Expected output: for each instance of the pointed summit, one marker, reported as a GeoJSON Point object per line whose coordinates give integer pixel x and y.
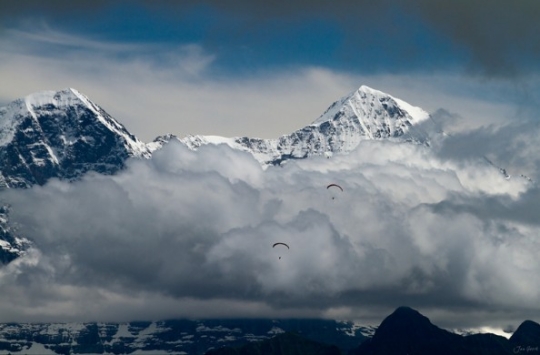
{"type": "Point", "coordinates": [408, 322]}
{"type": "Point", "coordinates": [375, 115]}
{"type": "Point", "coordinates": [63, 98]}
{"type": "Point", "coordinates": [60, 134]}
{"type": "Point", "coordinates": [527, 335]}
{"type": "Point", "coordinates": [364, 114]}
{"type": "Point", "coordinates": [406, 331]}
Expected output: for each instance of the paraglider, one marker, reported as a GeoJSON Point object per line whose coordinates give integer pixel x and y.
{"type": "Point", "coordinates": [279, 243]}
{"type": "Point", "coordinates": [333, 187]}
{"type": "Point", "coordinates": [273, 246]}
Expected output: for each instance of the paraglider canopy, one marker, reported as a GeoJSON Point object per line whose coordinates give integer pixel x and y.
{"type": "Point", "coordinates": [334, 185]}
{"type": "Point", "coordinates": [333, 188]}
{"type": "Point", "coordinates": [279, 243]}
{"type": "Point", "coordinates": [273, 246]}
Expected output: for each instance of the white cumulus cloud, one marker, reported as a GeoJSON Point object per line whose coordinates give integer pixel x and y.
{"type": "Point", "coordinates": [197, 227]}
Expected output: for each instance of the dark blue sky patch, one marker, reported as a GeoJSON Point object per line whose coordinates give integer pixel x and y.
{"type": "Point", "coordinates": [363, 39]}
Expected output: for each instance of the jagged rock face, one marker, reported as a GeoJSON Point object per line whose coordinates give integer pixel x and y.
{"type": "Point", "coordinates": [56, 135]}
{"type": "Point", "coordinates": [370, 114]}
{"type": "Point", "coordinates": [63, 135]}
{"type": "Point", "coordinates": [11, 245]}
{"type": "Point", "coordinates": [362, 115]}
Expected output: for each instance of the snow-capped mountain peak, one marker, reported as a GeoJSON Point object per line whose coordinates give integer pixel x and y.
{"type": "Point", "coordinates": [374, 110]}
{"type": "Point", "coordinates": [364, 114]}
{"type": "Point", "coordinates": [71, 97]}
{"type": "Point", "coordinates": [63, 134]}
{"type": "Point", "coordinates": [60, 134]}
{"type": "Point", "coordinates": [56, 134]}
{"type": "Point", "coordinates": [63, 98]}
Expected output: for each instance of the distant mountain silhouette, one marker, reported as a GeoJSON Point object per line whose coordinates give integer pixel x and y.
{"type": "Point", "coordinates": [487, 344]}
{"type": "Point", "coordinates": [406, 331]}
{"type": "Point", "coordinates": [283, 344]}
{"type": "Point", "coordinates": [526, 339]}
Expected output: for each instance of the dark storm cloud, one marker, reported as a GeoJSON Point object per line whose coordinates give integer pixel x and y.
{"type": "Point", "coordinates": [501, 35]}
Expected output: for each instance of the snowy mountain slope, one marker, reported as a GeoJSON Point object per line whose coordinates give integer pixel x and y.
{"type": "Point", "coordinates": [363, 114]}
{"type": "Point", "coordinates": [11, 245]}
{"type": "Point", "coordinates": [56, 135]}
{"type": "Point", "coordinates": [64, 135]}
{"type": "Point", "coordinates": [170, 336]}
{"type": "Point", "coordinates": [60, 134]}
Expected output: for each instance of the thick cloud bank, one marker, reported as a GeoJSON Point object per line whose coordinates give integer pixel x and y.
{"type": "Point", "coordinates": [190, 234]}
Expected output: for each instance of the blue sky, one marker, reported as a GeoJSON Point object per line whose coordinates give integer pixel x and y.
{"type": "Point", "coordinates": [264, 69]}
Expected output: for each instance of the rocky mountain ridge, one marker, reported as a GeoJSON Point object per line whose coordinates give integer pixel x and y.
{"type": "Point", "coordinates": [61, 134]}
{"type": "Point", "coordinates": [406, 331]}
{"type": "Point", "coordinates": [364, 114]}
{"type": "Point", "coordinates": [64, 135]}
{"type": "Point", "coordinates": [170, 336]}
{"type": "Point", "coordinates": [56, 135]}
